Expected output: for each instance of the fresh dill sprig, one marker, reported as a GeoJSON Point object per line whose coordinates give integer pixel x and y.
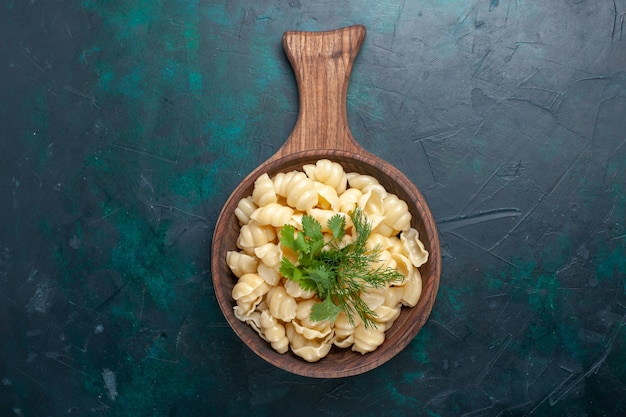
{"type": "Point", "coordinates": [338, 274]}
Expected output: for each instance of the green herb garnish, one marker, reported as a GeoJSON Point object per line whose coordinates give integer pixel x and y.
{"type": "Point", "coordinates": [339, 274]}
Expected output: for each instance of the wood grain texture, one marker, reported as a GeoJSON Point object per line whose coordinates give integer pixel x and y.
{"type": "Point", "coordinates": [322, 63]}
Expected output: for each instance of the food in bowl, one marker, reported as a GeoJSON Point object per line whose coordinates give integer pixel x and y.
{"type": "Point", "coordinates": [325, 258]}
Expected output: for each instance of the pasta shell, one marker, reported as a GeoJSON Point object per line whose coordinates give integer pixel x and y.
{"type": "Point", "coordinates": [414, 247]}
{"type": "Point", "coordinates": [307, 349]}
{"type": "Point", "coordinates": [272, 214]}
{"type": "Point", "coordinates": [327, 196]}
{"type": "Point", "coordinates": [281, 305]}
{"type": "Point", "coordinates": [296, 291]}
{"type": "Point", "coordinates": [263, 192]}
{"type": "Point", "coordinates": [368, 339]}
{"type": "Point", "coordinates": [240, 263]}
{"type": "Point", "coordinates": [397, 213]}
{"type": "Point", "coordinates": [270, 254]}
{"type": "Point", "coordinates": [412, 290]}
{"type": "Point", "coordinates": [244, 209]}
{"type": "Point", "coordinates": [249, 287]}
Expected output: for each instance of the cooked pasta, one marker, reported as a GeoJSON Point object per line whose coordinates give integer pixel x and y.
{"type": "Point", "coordinates": [328, 198]}
{"type": "Point", "coordinates": [278, 308]}
{"type": "Point", "coordinates": [281, 305]}
{"type": "Point", "coordinates": [270, 275]}
{"type": "Point", "coordinates": [328, 172]}
{"type": "Point", "coordinates": [349, 199]}
{"type": "Point", "coordinates": [368, 339]}
{"type": "Point", "coordinates": [263, 193]}
{"type": "Point", "coordinates": [296, 291]}
{"type": "Point", "coordinates": [240, 263]}
{"type": "Point", "coordinates": [396, 213]}
{"type": "Point", "coordinates": [272, 214]}
{"type": "Point", "coordinates": [344, 331]}
{"type": "Point", "coordinates": [274, 332]}
{"type": "Point", "coordinates": [414, 247]}
{"type": "Point", "coordinates": [253, 235]}
{"type": "Point", "coordinates": [249, 287]}
{"type": "Point", "coordinates": [244, 210]}
{"type": "Point", "coordinates": [269, 254]}
{"type": "Point", "coordinates": [301, 192]}
{"type": "Point", "coordinates": [311, 350]}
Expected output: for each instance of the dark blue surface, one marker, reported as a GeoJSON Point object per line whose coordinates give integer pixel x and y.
{"type": "Point", "coordinates": [126, 125]}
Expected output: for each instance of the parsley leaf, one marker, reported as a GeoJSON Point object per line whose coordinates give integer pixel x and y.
{"type": "Point", "coordinates": [322, 278]}
{"type": "Point", "coordinates": [287, 236]}
{"type": "Point", "coordinates": [326, 310]}
{"type": "Point", "coordinates": [337, 226]}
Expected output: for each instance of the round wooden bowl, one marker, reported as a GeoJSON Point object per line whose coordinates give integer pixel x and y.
{"type": "Point", "coordinates": [322, 62]}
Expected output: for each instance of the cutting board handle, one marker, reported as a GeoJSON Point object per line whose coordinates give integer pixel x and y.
{"type": "Point", "coordinates": [322, 63]}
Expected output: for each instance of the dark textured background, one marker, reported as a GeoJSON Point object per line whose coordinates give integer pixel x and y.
{"type": "Point", "coordinates": [126, 124]}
